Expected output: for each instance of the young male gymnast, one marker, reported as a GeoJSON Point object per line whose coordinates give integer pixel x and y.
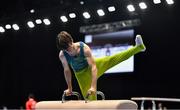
{"type": "Point", "coordinates": [88, 69]}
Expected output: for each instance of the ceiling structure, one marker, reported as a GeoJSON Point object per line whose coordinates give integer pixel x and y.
{"type": "Point", "coordinates": [13, 8]}
{"type": "Point", "coordinates": [19, 10]}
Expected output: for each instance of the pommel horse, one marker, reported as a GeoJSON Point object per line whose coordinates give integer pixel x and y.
{"type": "Point", "coordinates": [86, 104]}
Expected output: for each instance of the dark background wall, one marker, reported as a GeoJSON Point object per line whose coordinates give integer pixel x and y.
{"type": "Point", "coordinates": [29, 60]}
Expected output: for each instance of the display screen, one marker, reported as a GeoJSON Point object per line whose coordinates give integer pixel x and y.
{"type": "Point", "coordinates": [106, 44]}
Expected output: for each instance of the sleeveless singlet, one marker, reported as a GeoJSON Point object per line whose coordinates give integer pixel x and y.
{"type": "Point", "coordinates": [78, 62]}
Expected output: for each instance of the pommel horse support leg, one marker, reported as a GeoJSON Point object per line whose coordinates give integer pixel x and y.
{"type": "Point", "coordinates": [84, 104]}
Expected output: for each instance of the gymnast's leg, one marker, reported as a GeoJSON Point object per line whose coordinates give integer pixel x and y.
{"type": "Point", "coordinates": [84, 79]}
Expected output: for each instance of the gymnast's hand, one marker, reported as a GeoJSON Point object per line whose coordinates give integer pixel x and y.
{"type": "Point", "coordinates": [92, 91]}
{"type": "Point", "coordinates": [68, 92]}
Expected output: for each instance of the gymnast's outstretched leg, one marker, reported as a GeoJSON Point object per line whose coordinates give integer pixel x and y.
{"type": "Point", "coordinates": [105, 63]}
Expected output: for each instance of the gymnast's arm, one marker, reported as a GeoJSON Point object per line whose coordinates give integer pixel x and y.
{"type": "Point", "coordinates": [67, 73]}
{"type": "Point", "coordinates": [92, 64]}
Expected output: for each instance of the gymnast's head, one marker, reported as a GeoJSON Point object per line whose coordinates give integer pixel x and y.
{"type": "Point", "coordinates": [64, 40]}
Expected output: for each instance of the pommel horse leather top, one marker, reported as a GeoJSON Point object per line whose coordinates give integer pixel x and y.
{"type": "Point", "coordinates": [86, 104]}
{"type": "Point", "coordinates": [80, 104]}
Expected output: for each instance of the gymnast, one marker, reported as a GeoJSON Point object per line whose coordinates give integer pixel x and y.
{"type": "Point", "coordinates": [88, 69]}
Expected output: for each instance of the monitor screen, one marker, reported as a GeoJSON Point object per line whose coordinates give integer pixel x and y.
{"type": "Point", "coordinates": [106, 44]}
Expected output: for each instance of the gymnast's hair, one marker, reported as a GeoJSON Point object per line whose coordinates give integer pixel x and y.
{"type": "Point", "coordinates": [63, 40]}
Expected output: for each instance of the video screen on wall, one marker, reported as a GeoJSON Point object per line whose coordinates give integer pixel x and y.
{"type": "Point", "coordinates": [106, 44]}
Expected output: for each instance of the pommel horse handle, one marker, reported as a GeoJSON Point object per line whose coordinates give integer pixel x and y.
{"type": "Point", "coordinates": [98, 93]}
{"type": "Point", "coordinates": [73, 93]}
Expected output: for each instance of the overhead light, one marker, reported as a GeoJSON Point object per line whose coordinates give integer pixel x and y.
{"type": "Point", "coordinates": [86, 15]}
{"type": "Point", "coordinates": [131, 8]}
{"type": "Point", "coordinates": [15, 27]}
{"type": "Point", "coordinates": [156, 1]}
{"type": "Point", "coordinates": [82, 2]}
{"type": "Point", "coordinates": [8, 26]}
{"type": "Point", "coordinates": [100, 12]}
{"type": "Point", "coordinates": [30, 24]}
{"type": "Point", "coordinates": [2, 30]}
{"type": "Point", "coordinates": [64, 18]}
{"type": "Point", "coordinates": [142, 5]}
{"type": "Point", "coordinates": [111, 9]}
{"type": "Point", "coordinates": [72, 15]}
{"type": "Point", "coordinates": [170, 2]}
{"type": "Point", "coordinates": [38, 21]}
{"type": "Point", "coordinates": [46, 21]}
{"type": "Point", "coordinates": [32, 11]}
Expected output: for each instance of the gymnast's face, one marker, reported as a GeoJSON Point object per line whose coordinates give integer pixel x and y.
{"type": "Point", "coordinates": [70, 50]}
